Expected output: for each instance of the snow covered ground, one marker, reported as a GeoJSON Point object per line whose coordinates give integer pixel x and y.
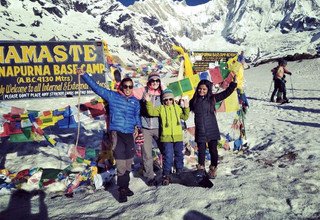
{"type": "Point", "coordinates": [277, 178]}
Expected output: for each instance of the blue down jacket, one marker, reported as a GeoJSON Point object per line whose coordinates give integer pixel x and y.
{"type": "Point", "coordinates": [124, 111]}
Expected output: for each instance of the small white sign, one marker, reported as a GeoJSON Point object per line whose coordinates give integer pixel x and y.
{"type": "Point", "coordinates": [212, 65]}
{"type": "Point", "coordinates": [198, 58]}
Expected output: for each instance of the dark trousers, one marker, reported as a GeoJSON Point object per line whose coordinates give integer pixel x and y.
{"type": "Point", "coordinates": [212, 145]}
{"type": "Point", "coordinates": [284, 89]}
{"type": "Point", "coordinates": [123, 181]}
{"type": "Point", "coordinates": [277, 87]}
{"type": "Point", "coordinates": [123, 153]}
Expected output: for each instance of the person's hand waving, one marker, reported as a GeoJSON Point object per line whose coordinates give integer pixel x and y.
{"type": "Point", "coordinates": [147, 97]}
{"type": "Point", "coordinates": [186, 103]}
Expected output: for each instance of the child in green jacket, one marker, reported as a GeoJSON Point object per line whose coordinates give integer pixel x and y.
{"type": "Point", "coordinates": [171, 131]}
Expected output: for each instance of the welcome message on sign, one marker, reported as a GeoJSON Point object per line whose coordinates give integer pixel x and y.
{"type": "Point", "coordinates": [203, 59]}
{"type": "Point", "coordinates": [48, 69]}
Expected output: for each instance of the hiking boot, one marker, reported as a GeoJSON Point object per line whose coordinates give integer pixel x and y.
{"type": "Point", "coordinates": [178, 171]}
{"type": "Point", "coordinates": [152, 182]}
{"type": "Point", "coordinates": [279, 97]}
{"type": "Point", "coordinates": [200, 167]}
{"type": "Point", "coordinates": [280, 100]}
{"type": "Point", "coordinates": [165, 180]}
{"type": "Point", "coordinates": [122, 195]}
{"type": "Point", "coordinates": [285, 100]}
{"type": "Point", "coordinates": [129, 192]}
{"type": "Point", "coordinates": [212, 173]}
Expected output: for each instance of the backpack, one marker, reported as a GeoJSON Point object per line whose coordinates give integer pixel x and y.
{"type": "Point", "coordinates": [274, 72]}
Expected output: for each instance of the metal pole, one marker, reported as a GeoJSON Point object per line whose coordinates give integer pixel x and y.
{"type": "Point", "coordinates": [270, 87]}
{"type": "Point", "coordinates": [291, 86]}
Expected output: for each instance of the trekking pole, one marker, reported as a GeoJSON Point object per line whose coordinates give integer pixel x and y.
{"type": "Point", "coordinates": [291, 86]}
{"type": "Point", "coordinates": [270, 87]}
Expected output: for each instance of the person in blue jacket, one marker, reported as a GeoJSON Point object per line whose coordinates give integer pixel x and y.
{"type": "Point", "coordinates": [124, 121]}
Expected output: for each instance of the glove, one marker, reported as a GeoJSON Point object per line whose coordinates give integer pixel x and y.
{"type": "Point", "coordinates": [139, 140]}
{"type": "Point", "coordinates": [290, 73]}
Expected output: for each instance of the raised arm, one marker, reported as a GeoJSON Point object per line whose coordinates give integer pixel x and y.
{"type": "Point", "coordinates": [152, 111]}
{"type": "Point", "coordinates": [185, 113]}
{"type": "Point", "coordinates": [223, 95]}
{"type": "Point", "coordinates": [185, 110]}
{"type": "Point", "coordinates": [99, 90]}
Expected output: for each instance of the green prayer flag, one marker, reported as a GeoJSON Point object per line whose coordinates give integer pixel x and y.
{"type": "Point", "coordinates": [176, 89]}
{"type": "Point", "coordinates": [185, 85]}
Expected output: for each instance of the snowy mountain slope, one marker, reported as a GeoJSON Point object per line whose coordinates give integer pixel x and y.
{"type": "Point", "coordinates": [276, 178]}
{"type": "Point", "coordinates": [129, 35]}
{"type": "Point", "coordinates": [147, 29]}
{"type": "Point", "coordinates": [291, 26]}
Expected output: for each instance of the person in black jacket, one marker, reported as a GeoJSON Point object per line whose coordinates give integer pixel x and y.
{"type": "Point", "coordinates": [206, 126]}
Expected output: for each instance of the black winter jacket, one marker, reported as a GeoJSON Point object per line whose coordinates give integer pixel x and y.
{"type": "Point", "coordinates": [206, 126]}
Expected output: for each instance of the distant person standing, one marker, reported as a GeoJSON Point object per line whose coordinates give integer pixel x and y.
{"type": "Point", "coordinates": [124, 118]}
{"type": "Point", "coordinates": [280, 82]}
{"type": "Point", "coordinates": [241, 58]}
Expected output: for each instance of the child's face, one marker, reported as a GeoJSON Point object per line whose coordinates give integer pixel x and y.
{"type": "Point", "coordinates": [202, 90]}
{"type": "Point", "coordinates": [168, 101]}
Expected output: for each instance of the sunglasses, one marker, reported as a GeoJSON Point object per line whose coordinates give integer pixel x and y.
{"type": "Point", "coordinates": [153, 81]}
{"type": "Point", "coordinates": [165, 100]}
{"type": "Point", "coordinates": [127, 86]}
